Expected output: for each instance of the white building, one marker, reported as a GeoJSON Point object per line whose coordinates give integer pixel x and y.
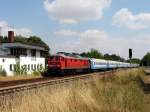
{"type": "Point", "coordinates": [28, 57]}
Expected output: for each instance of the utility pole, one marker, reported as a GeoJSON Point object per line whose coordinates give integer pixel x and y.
{"type": "Point", "coordinates": [1, 37]}
{"type": "Point", "coordinates": [130, 55]}
{"type": "Point", "coordinates": [0, 31]}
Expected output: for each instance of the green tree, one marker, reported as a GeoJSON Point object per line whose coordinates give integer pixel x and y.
{"type": "Point", "coordinates": [92, 54]}
{"type": "Point", "coordinates": [19, 38]}
{"type": "Point", "coordinates": [134, 60]}
{"type": "Point", "coordinates": [37, 41]}
{"type": "Point", "coordinates": [146, 60]}
{"type": "Point", "coordinates": [4, 39]}
{"type": "Point", "coordinates": [113, 57]}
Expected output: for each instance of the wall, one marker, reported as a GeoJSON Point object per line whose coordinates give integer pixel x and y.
{"type": "Point", "coordinates": [5, 64]}
{"type": "Point", "coordinates": [32, 63]}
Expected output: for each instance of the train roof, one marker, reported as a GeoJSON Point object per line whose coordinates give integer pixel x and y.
{"type": "Point", "coordinates": [94, 59]}
{"type": "Point", "coordinates": [68, 55]}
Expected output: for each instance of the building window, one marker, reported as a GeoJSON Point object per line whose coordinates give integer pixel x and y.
{"type": "Point", "coordinates": [15, 68]}
{"type": "Point", "coordinates": [3, 60]}
{"type": "Point", "coordinates": [42, 53]}
{"type": "Point", "coordinates": [33, 52]}
{"type": "Point", "coordinates": [11, 67]}
{"type": "Point", "coordinates": [32, 67]}
{"type": "Point", "coordinates": [18, 51]}
{"type": "Point", "coordinates": [25, 67]}
{"type": "Point", "coordinates": [23, 51]}
{"type": "Point", "coordinates": [38, 67]}
{"type": "Point", "coordinates": [41, 66]}
{"type": "Point", "coordinates": [28, 67]}
{"type": "Point", "coordinates": [35, 67]}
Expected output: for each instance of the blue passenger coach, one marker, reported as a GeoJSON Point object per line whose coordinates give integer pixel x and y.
{"type": "Point", "coordinates": [98, 64]}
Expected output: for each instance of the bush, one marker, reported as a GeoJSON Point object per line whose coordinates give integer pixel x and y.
{"type": "Point", "coordinates": [36, 73]}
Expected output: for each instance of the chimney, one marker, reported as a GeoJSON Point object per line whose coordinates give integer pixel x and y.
{"type": "Point", "coordinates": [10, 36]}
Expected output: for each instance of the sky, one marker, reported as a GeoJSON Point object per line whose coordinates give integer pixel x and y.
{"type": "Point", "coordinates": [110, 26]}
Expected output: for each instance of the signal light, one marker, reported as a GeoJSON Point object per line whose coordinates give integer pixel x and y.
{"type": "Point", "coordinates": [130, 53]}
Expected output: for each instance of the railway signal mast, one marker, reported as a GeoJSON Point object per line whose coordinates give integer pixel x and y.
{"type": "Point", "coordinates": [0, 31]}
{"type": "Point", "coordinates": [130, 54]}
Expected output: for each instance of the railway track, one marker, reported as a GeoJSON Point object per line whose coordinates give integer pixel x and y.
{"type": "Point", "coordinates": [21, 85]}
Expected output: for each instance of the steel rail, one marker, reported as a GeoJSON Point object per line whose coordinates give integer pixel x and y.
{"type": "Point", "coordinates": [44, 83]}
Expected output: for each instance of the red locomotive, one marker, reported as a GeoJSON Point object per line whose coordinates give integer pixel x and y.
{"type": "Point", "coordinates": [63, 63]}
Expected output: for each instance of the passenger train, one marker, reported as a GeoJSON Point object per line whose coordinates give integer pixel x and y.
{"type": "Point", "coordinates": [67, 63]}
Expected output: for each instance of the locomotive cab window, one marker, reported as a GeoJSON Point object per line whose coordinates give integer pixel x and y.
{"type": "Point", "coordinates": [62, 59]}
{"type": "Point", "coordinates": [54, 58]}
{"type": "Point", "coordinates": [57, 58]}
{"type": "Point", "coordinates": [51, 57]}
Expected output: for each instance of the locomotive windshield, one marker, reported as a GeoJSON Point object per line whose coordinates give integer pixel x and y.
{"type": "Point", "coordinates": [56, 58]}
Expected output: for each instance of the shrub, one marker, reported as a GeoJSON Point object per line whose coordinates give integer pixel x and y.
{"type": "Point", "coordinates": [36, 73]}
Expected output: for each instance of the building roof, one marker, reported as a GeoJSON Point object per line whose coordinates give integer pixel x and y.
{"type": "Point", "coordinates": [6, 56]}
{"type": "Point", "coordinates": [21, 45]}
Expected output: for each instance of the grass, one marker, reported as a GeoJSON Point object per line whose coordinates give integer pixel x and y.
{"type": "Point", "coordinates": [121, 93]}
{"type": "Point", "coordinates": [35, 74]}
{"type": "Point", "coordinates": [17, 77]}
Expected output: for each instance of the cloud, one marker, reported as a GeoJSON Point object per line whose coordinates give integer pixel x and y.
{"type": "Point", "coordinates": [18, 31]}
{"type": "Point", "coordinates": [104, 42]}
{"type": "Point", "coordinates": [65, 33]}
{"type": "Point", "coordinates": [125, 18]}
{"type": "Point", "coordinates": [74, 11]}
{"type": "Point", "coordinates": [23, 31]}
{"type": "Point", "coordinates": [3, 23]}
